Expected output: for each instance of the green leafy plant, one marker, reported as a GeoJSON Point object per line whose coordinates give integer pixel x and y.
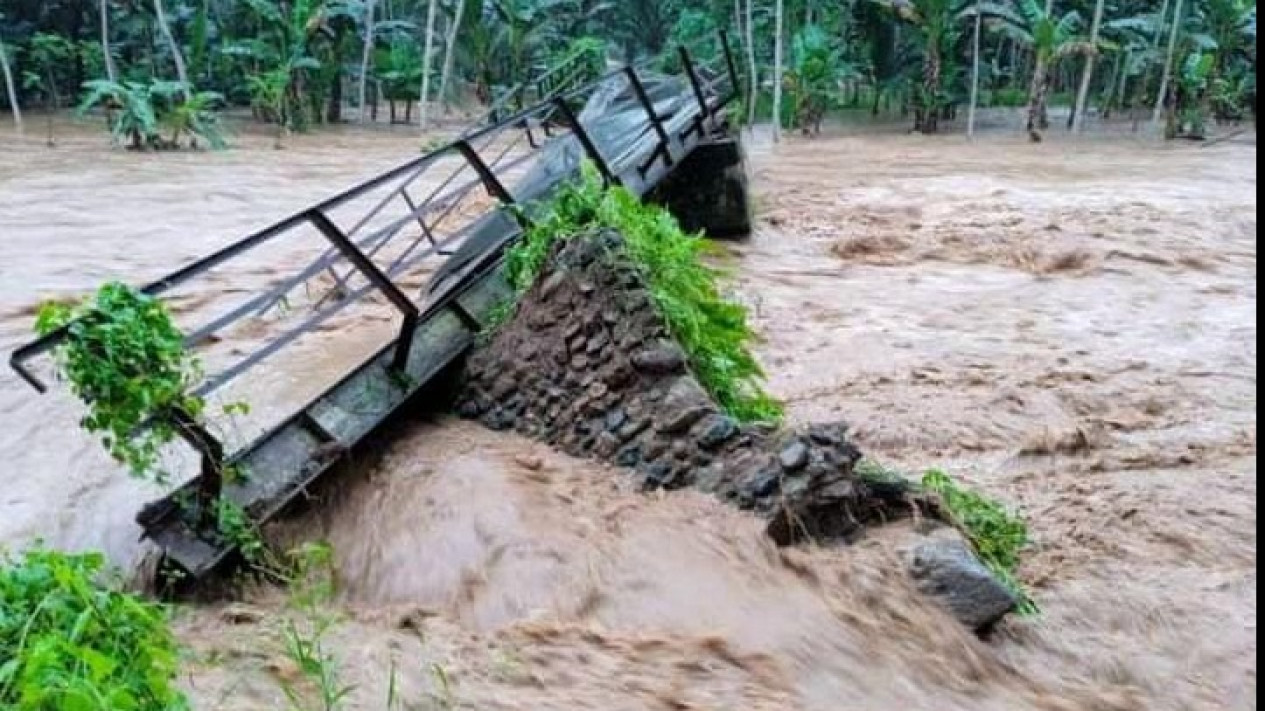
{"type": "Point", "coordinates": [310, 575]}
{"type": "Point", "coordinates": [196, 117]}
{"type": "Point", "coordinates": [998, 535]}
{"type": "Point", "coordinates": [69, 641]}
{"type": "Point", "coordinates": [711, 329]}
{"type": "Point", "coordinates": [126, 360]}
{"type": "Point", "coordinates": [817, 67]}
{"type": "Point", "coordinates": [398, 69]}
{"type": "Point", "coordinates": [138, 111]}
{"type": "Point", "coordinates": [306, 648]}
{"type": "Point", "coordinates": [236, 528]}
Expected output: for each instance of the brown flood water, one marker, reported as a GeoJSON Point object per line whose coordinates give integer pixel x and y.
{"type": "Point", "coordinates": [1070, 327]}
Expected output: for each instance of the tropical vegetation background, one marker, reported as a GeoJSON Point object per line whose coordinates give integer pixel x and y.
{"type": "Point", "coordinates": [164, 68]}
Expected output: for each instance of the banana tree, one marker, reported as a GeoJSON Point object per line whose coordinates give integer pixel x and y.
{"type": "Point", "coordinates": [288, 45]}
{"type": "Point", "coordinates": [817, 68]}
{"type": "Point", "coordinates": [1052, 39]}
{"type": "Point", "coordinates": [139, 111]}
{"type": "Point", "coordinates": [398, 69]}
{"type": "Point", "coordinates": [1227, 29]}
{"type": "Point", "coordinates": [936, 22]}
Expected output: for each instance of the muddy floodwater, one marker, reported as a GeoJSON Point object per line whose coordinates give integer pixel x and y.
{"type": "Point", "coordinates": [1069, 327]}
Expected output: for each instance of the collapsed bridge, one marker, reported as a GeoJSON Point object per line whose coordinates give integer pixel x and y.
{"type": "Point", "coordinates": [417, 250]}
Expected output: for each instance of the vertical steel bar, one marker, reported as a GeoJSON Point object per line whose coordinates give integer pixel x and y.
{"type": "Point", "coordinates": [733, 67]}
{"type": "Point", "coordinates": [665, 141]}
{"type": "Point", "coordinates": [378, 279]}
{"type": "Point", "coordinates": [421, 217]}
{"type": "Point", "coordinates": [698, 89]}
{"type": "Point", "coordinates": [490, 181]}
{"type": "Point", "coordinates": [211, 482]}
{"type": "Point", "coordinates": [585, 140]}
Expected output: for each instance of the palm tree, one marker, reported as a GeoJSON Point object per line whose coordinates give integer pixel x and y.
{"type": "Point", "coordinates": [1165, 79]}
{"type": "Point", "coordinates": [106, 53]}
{"type": "Point", "coordinates": [450, 46]}
{"type": "Point", "coordinates": [777, 73]}
{"type": "Point", "coordinates": [9, 88]}
{"type": "Point", "coordinates": [174, 47]}
{"type": "Point", "coordinates": [753, 78]}
{"type": "Point", "coordinates": [429, 45]}
{"type": "Point", "coordinates": [1082, 94]}
{"type": "Point", "coordinates": [370, 6]}
{"type": "Point", "coordinates": [975, 69]}
{"type": "Point", "coordinates": [1052, 39]}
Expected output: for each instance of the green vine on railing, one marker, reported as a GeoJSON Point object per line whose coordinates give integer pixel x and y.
{"type": "Point", "coordinates": [125, 358]}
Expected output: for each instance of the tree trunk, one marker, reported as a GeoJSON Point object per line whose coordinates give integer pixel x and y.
{"type": "Point", "coordinates": [777, 73]}
{"type": "Point", "coordinates": [1082, 96]}
{"type": "Point", "coordinates": [1037, 97]}
{"type": "Point", "coordinates": [1112, 91]}
{"type": "Point", "coordinates": [181, 73]}
{"type": "Point", "coordinates": [334, 111]}
{"type": "Point", "coordinates": [928, 114]}
{"type": "Point", "coordinates": [1166, 77]}
{"type": "Point", "coordinates": [110, 71]}
{"type": "Point", "coordinates": [753, 80]}
{"type": "Point", "coordinates": [424, 114]}
{"type": "Point", "coordinates": [450, 47]}
{"type": "Point", "coordinates": [975, 59]}
{"type": "Point", "coordinates": [12, 91]}
{"type": "Point", "coordinates": [366, 55]}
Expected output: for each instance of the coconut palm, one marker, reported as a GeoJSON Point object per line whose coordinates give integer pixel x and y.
{"type": "Point", "coordinates": [1052, 38]}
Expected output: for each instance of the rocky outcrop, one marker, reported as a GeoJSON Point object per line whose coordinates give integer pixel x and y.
{"type": "Point", "coordinates": [587, 364]}
{"type": "Point", "coordinates": [947, 570]}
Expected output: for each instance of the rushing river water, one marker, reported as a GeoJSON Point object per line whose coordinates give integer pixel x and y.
{"type": "Point", "coordinates": [1070, 327]}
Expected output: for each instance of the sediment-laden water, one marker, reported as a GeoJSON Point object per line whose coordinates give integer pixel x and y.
{"type": "Point", "coordinates": [1069, 326]}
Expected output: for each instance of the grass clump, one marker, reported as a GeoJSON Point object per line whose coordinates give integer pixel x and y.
{"type": "Point", "coordinates": [712, 330]}
{"type": "Point", "coordinates": [69, 641]}
{"type": "Point", "coordinates": [998, 535]}
{"type": "Point", "coordinates": [125, 358]}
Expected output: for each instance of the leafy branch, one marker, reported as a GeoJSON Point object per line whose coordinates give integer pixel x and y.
{"type": "Point", "coordinates": [127, 361]}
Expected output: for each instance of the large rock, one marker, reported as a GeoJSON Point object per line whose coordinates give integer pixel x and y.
{"type": "Point", "coordinates": [948, 570]}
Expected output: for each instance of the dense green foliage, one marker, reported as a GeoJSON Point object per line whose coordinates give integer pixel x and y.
{"type": "Point", "coordinates": [139, 112]}
{"type": "Point", "coordinates": [126, 360]}
{"type": "Point", "coordinates": [70, 641]}
{"type": "Point", "coordinates": [297, 64]}
{"type": "Point", "coordinates": [998, 535]}
{"type": "Point", "coordinates": [711, 329]}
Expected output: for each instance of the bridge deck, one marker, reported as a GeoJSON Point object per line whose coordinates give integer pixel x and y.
{"type": "Point", "coordinates": [445, 217]}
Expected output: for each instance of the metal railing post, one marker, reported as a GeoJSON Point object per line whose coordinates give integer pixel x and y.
{"type": "Point", "coordinates": [665, 141]}
{"type": "Point", "coordinates": [378, 279]}
{"type": "Point", "coordinates": [704, 112]}
{"type": "Point", "coordinates": [585, 140]}
{"type": "Point", "coordinates": [493, 184]}
{"type": "Point", "coordinates": [211, 482]}
{"type": "Point", "coordinates": [729, 61]}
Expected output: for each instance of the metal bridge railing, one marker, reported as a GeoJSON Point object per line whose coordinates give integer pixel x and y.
{"type": "Point", "coordinates": [412, 217]}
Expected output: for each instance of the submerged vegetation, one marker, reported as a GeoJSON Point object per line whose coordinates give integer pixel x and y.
{"type": "Point", "coordinates": [70, 639]}
{"type": "Point", "coordinates": [711, 329]}
{"type": "Point", "coordinates": [997, 534]}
